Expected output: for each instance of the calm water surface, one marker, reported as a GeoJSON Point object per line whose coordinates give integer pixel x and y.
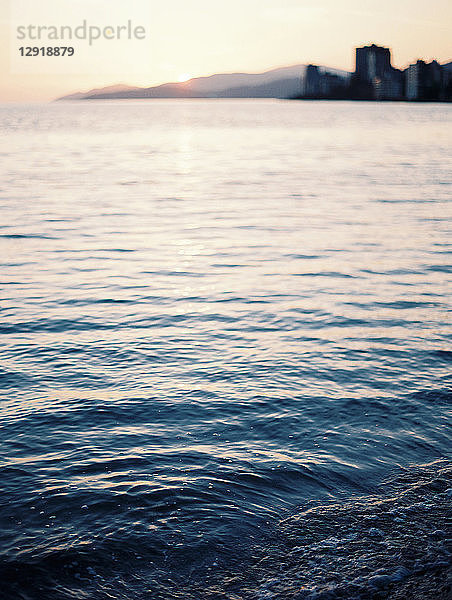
{"type": "Point", "coordinates": [226, 349]}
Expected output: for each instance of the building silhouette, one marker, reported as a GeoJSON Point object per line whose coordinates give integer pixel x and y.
{"type": "Point", "coordinates": [375, 78]}
{"type": "Point", "coordinates": [425, 81]}
{"type": "Point", "coordinates": [322, 84]}
{"type": "Point", "coordinates": [372, 62]}
{"type": "Point", "coordinates": [375, 75]}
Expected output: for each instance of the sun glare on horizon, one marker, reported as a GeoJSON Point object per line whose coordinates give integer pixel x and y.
{"type": "Point", "coordinates": [183, 77]}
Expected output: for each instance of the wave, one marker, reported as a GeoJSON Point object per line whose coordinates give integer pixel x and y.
{"type": "Point", "coordinates": [391, 544]}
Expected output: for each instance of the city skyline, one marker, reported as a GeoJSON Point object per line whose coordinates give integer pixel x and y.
{"type": "Point", "coordinates": [376, 78]}
{"type": "Point", "coordinates": [373, 78]}
{"type": "Point", "coordinates": [252, 37]}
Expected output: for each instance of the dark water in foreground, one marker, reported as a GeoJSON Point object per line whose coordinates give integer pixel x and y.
{"type": "Point", "coordinates": [226, 351]}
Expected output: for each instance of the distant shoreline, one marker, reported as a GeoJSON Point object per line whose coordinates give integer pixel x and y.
{"type": "Point", "coordinates": [384, 100]}
{"type": "Point", "coordinates": [297, 99]}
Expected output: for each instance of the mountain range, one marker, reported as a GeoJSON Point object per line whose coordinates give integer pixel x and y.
{"type": "Point", "coordinates": [284, 82]}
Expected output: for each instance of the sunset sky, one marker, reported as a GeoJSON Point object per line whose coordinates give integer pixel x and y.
{"type": "Point", "coordinates": [190, 38]}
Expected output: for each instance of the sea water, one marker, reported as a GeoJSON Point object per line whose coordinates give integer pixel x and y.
{"type": "Point", "coordinates": [225, 349]}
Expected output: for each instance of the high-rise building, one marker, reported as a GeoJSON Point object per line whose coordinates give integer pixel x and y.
{"type": "Point", "coordinates": [424, 81]}
{"type": "Point", "coordinates": [372, 62]}
{"type": "Point", "coordinates": [317, 83]}
{"type": "Point", "coordinates": [311, 81]}
{"type": "Point", "coordinates": [375, 77]}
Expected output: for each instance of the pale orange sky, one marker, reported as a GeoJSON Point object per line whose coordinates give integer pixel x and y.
{"type": "Point", "coordinates": [201, 37]}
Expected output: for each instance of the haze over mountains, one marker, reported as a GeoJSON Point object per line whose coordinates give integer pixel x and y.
{"type": "Point", "coordinates": [283, 82]}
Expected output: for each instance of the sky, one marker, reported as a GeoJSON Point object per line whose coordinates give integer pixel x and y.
{"type": "Point", "coordinates": [190, 38]}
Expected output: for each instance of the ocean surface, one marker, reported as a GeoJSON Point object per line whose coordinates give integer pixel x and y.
{"type": "Point", "coordinates": [225, 360]}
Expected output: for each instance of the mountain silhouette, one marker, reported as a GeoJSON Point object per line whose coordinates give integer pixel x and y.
{"type": "Point", "coordinates": [282, 82]}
